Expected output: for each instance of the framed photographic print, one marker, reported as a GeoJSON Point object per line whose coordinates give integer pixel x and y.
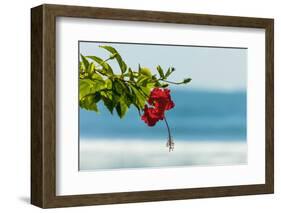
{"type": "Point", "coordinates": [136, 106]}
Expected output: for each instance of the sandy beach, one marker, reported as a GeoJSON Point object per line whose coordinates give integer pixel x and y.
{"type": "Point", "coordinates": [118, 154]}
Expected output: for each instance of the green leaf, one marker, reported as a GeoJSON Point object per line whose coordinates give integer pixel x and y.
{"type": "Point", "coordinates": [169, 72]}
{"type": "Point", "coordinates": [161, 72]}
{"type": "Point", "coordinates": [146, 90]}
{"type": "Point", "coordinates": [101, 62]}
{"type": "Point", "coordinates": [142, 80]}
{"type": "Point", "coordinates": [186, 80]}
{"type": "Point", "coordinates": [108, 84]}
{"type": "Point", "coordinates": [117, 87]}
{"type": "Point", "coordinates": [87, 86]}
{"type": "Point", "coordinates": [164, 85]}
{"type": "Point", "coordinates": [81, 66]}
{"type": "Point", "coordinates": [101, 71]}
{"type": "Point", "coordinates": [96, 76]}
{"type": "Point", "coordinates": [115, 96]}
{"type": "Point", "coordinates": [140, 97]}
{"type": "Point", "coordinates": [119, 59]}
{"type": "Point", "coordinates": [90, 102]}
{"type": "Point", "coordinates": [128, 96]}
{"type": "Point", "coordinates": [112, 56]}
{"type": "Point", "coordinates": [91, 68]}
{"type": "Point", "coordinates": [85, 62]}
{"type": "Point", "coordinates": [121, 108]}
{"type": "Point", "coordinates": [145, 71]}
{"type": "Point", "coordinates": [107, 100]}
{"type": "Point", "coordinates": [131, 74]}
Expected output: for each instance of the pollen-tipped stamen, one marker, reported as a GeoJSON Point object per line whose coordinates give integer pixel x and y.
{"type": "Point", "coordinates": [170, 144]}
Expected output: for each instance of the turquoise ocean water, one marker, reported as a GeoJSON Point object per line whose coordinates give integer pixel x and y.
{"type": "Point", "coordinates": [197, 116]}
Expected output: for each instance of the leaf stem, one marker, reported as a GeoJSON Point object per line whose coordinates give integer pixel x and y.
{"type": "Point", "coordinates": [170, 82]}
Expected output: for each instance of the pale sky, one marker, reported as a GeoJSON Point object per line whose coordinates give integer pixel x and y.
{"type": "Point", "coordinates": [219, 69]}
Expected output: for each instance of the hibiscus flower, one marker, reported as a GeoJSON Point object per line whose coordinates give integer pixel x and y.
{"type": "Point", "coordinates": [160, 100]}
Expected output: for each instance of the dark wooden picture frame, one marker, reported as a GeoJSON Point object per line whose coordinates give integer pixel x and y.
{"type": "Point", "coordinates": [43, 105]}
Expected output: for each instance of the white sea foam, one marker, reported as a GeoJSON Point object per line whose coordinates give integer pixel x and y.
{"type": "Point", "coordinates": [130, 154]}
